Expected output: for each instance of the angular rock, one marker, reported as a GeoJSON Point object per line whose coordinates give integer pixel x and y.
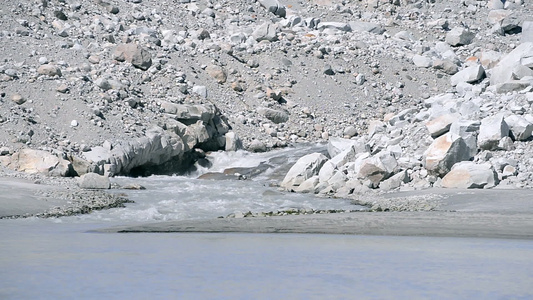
{"type": "Point", "coordinates": [469, 75]}
{"type": "Point", "coordinates": [266, 32]}
{"type": "Point", "coordinates": [444, 152]}
{"type": "Point", "coordinates": [308, 186]}
{"type": "Point", "coordinates": [422, 61]}
{"type": "Point", "coordinates": [446, 66]}
{"type": "Point", "coordinates": [37, 161]}
{"type": "Point", "coordinates": [521, 129]}
{"type": "Point", "coordinates": [134, 54]}
{"type": "Point", "coordinates": [503, 71]}
{"type": "Point", "coordinates": [468, 130]}
{"type": "Point", "coordinates": [527, 32]}
{"type": "Point", "coordinates": [366, 26]}
{"type": "Point", "coordinates": [274, 7]}
{"type": "Point", "coordinates": [469, 175]}
{"type": "Point", "coordinates": [94, 181]}
{"type": "Point", "coordinates": [459, 36]}
{"type": "Point", "coordinates": [491, 131]}
{"type": "Point", "coordinates": [188, 113]}
{"type": "Point", "coordinates": [305, 168]}
{"type": "Point", "coordinates": [441, 124]}
{"type": "Point", "coordinates": [233, 143]}
{"type": "Point", "coordinates": [394, 181]}
{"type": "Point", "coordinates": [377, 168]}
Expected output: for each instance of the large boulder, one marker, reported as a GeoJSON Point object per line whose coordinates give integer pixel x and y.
{"type": "Point", "coordinates": [459, 36]}
{"type": "Point", "coordinates": [491, 131]}
{"type": "Point", "coordinates": [503, 71]}
{"type": "Point", "coordinates": [377, 168]}
{"type": "Point", "coordinates": [94, 181]}
{"type": "Point", "coordinates": [468, 130]}
{"type": "Point", "coordinates": [521, 129]}
{"type": "Point", "coordinates": [305, 168]}
{"type": "Point", "coordinates": [469, 175]}
{"type": "Point", "coordinates": [37, 161]}
{"type": "Point", "coordinates": [468, 75]}
{"type": "Point", "coordinates": [440, 125]}
{"type": "Point", "coordinates": [444, 152]}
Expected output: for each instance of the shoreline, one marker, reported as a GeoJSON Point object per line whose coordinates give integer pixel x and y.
{"type": "Point", "coordinates": [459, 213]}
{"type": "Point", "coordinates": [494, 213]}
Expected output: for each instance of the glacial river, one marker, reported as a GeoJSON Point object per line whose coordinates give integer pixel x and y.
{"type": "Point", "coordinates": [62, 258]}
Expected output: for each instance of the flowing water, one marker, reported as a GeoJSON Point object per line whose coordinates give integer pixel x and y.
{"type": "Point", "coordinates": [62, 258]}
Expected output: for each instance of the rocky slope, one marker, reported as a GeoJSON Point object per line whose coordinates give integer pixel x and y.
{"type": "Point", "coordinates": [121, 87]}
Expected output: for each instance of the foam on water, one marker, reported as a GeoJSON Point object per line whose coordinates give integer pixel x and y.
{"type": "Point", "coordinates": [169, 198]}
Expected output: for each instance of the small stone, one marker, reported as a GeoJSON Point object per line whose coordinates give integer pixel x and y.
{"type": "Point", "coordinates": [49, 70]}
{"type": "Point", "coordinates": [74, 123]}
{"type": "Point", "coordinates": [18, 99]}
{"type": "Point", "coordinates": [63, 88]}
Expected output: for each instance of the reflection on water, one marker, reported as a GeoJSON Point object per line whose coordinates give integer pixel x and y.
{"type": "Point", "coordinates": [46, 260]}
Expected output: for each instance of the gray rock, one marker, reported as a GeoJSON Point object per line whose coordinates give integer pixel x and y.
{"type": "Point", "coordinates": [446, 66]}
{"type": "Point", "coordinates": [233, 143]}
{"type": "Point", "coordinates": [377, 168]}
{"type": "Point", "coordinates": [200, 90]}
{"type": "Point", "coordinates": [18, 99]}
{"type": "Point", "coordinates": [468, 130]}
{"type": "Point", "coordinates": [257, 146]}
{"type": "Point", "coordinates": [94, 181]}
{"type": "Point", "coordinates": [49, 70]}
{"type": "Point", "coordinates": [491, 131]}
{"type": "Point", "coordinates": [495, 4]}
{"type": "Point", "coordinates": [444, 152]}
{"type": "Point", "coordinates": [422, 61]}
{"type": "Point", "coordinates": [190, 113]}
{"type": "Point", "coordinates": [469, 175]}
{"type": "Point", "coordinates": [274, 7]}
{"type": "Point", "coordinates": [134, 54]}
{"type": "Point", "coordinates": [394, 181]}
{"type": "Point", "coordinates": [511, 24]}
{"type": "Point", "coordinates": [366, 26]}
{"type": "Point", "coordinates": [440, 125]}
{"type": "Point", "coordinates": [308, 186]}
{"type": "Point", "coordinates": [469, 75]}
{"type": "Point", "coordinates": [337, 145]}
{"type": "Point", "coordinates": [527, 32]}
{"type": "Point", "coordinates": [274, 115]}
{"type": "Point", "coordinates": [521, 129]}
{"type": "Point", "coordinates": [217, 73]}
{"type": "Point", "coordinates": [305, 168]}
{"type": "Point", "coordinates": [334, 25]}
{"type": "Point", "coordinates": [38, 161]}
{"type": "Point", "coordinates": [459, 36]}
{"type": "Point", "coordinates": [266, 32]}
{"type": "Point", "coordinates": [503, 71]}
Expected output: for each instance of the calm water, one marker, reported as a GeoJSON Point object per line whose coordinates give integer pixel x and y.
{"type": "Point", "coordinates": [61, 259]}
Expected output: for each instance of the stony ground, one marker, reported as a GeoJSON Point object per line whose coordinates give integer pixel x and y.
{"type": "Point", "coordinates": [308, 71]}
